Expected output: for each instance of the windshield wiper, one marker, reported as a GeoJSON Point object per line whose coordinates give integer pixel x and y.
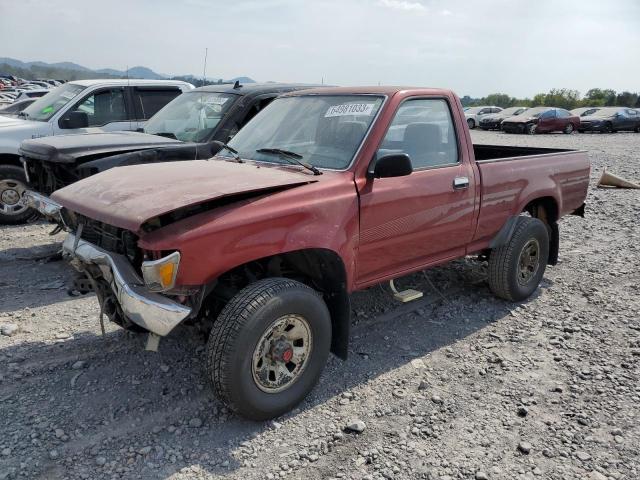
{"type": "Point", "coordinates": [166, 134]}
{"type": "Point", "coordinates": [233, 151]}
{"type": "Point", "coordinates": [292, 156]}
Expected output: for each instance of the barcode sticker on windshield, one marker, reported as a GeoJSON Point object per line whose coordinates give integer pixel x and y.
{"type": "Point", "coordinates": [350, 109]}
{"type": "Point", "coordinates": [215, 100]}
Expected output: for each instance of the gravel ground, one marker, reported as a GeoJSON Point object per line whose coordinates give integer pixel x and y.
{"type": "Point", "coordinates": [457, 385]}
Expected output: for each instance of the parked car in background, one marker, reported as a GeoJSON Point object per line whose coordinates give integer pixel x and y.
{"type": "Point", "coordinates": [475, 114]}
{"type": "Point", "coordinates": [611, 120]}
{"type": "Point", "coordinates": [542, 120]}
{"type": "Point", "coordinates": [494, 121]}
{"type": "Point", "coordinates": [584, 111]}
{"type": "Point", "coordinates": [16, 107]}
{"type": "Point", "coordinates": [82, 106]}
{"type": "Point", "coordinates": [190, 127]}
{"type": "Point", "coordinates": [33, 93]}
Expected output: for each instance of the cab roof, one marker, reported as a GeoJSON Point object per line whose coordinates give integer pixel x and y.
{"type": "Point", "coordinates": [125, 82]}
{"type": "Point", "coordinates": [375, 90]}
{"type": "Point", "coordinates": [254, 88]}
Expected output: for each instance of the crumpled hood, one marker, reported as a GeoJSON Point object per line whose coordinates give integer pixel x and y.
{"type": "Point", "coordinates": [68, 148]}
{"type": "Point", "coordinates": [6, 120]}
{"type": "Point", "coordinates": [519, 119]}
{"type": "Point", "coordinates": [127, 197]}
{"type": "Point", "coordinates": [592, 118]}
{"type": "Point", "coordinates": [18, 123]}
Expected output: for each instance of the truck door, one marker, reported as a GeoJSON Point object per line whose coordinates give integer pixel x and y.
{"type": "Point", "coordinates": [425, 217]}
{"type": "Point", "coordinates": [104, 108]}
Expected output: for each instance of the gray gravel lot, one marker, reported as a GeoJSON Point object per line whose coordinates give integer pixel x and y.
{"type": "Point", "coordinates": [457, 385]}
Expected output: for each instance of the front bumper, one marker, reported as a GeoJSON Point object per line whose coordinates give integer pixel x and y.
{"type": "Point", "coordinates": [490, 125]}
{"type": "Point", "coordinates": [513, 127]}
{"type": "Point", "coordinates": [592, 127]}
{"type": "Point", "coordinates": [150, 310]}
{"type": "Point", "coordinates": [42, 204]}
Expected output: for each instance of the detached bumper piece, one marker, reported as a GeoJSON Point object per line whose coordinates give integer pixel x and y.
{"type": "Point", "coordinates": [42, 204]}
{"type": "Point", "coordinates": [152, 311]}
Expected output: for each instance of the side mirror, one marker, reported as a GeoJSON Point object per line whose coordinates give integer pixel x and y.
{"type": "Point", "coordinates": [390, 165]}
{"type": "Point", "coordinates": [75, 119]}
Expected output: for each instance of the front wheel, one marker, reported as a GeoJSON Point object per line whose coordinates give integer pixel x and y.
{"type": "Point", "coordinates": [268, 347]}
{"type": "Point", "coordinates": [12, 185]}
{"type": "Point", "coordinates": [515, 269]}
{"type": "Point", "coordinates": [471, 123]}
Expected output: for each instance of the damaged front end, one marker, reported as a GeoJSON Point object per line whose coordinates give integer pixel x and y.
{"type": "Point", "coordinates": [123, 295]}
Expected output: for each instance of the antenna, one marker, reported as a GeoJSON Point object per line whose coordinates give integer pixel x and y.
{"type": "Point", "coordinates": [129, 88]}
{"type": "Point", "coordinates": [201, 111]}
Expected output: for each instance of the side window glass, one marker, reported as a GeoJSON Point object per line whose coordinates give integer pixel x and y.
{"type": "Point", "coordinates": [151, 101]}
{"type": "Point", "coordinates": [423, 129]}
{"type": "Point", "coordinates": [255, 108]}
{"type": "Point", "coordinates": [104, 106]}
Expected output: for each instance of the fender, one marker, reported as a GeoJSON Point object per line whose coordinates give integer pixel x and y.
{"type": "Point", "coordinates": [503, 237]}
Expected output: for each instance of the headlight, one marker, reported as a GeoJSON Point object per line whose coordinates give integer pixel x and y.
{"type": "Point", "coordinates": [160, 275]}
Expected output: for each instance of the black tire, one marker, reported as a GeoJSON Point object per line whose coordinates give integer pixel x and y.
{"type": "Point", "coordinates": [471, 123]}
{"type": "Point", "coordinates": [12, 183]}
{"type": "Point", "coordinates": [505, 279]}
{"type": "Point", "coordinates": [568, 129]}
{"type": "Point", "coordinates": [608, 128]}
{"type": "Point", "coordinates": [637, 129]}
{"type": "Point", "coordinates": [240, 328]}
{"type": "Point", "coordinates": [530, 129]}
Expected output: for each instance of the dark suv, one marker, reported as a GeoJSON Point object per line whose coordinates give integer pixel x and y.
{"type": "Point", "coordinates": [185, 129]}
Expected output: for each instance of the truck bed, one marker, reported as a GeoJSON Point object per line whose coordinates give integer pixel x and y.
{"type": "Point", "coordinates": [494, 153]}
{"type": "Point", "coordinates": [511, 177]}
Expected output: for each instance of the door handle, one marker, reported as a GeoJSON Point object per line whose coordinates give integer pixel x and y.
{"type": "Point", "coordinates": [460, 183]}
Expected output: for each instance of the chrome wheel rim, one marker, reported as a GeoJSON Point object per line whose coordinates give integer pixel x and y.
{"type": "Point", "coordinates": [529, 261]}
{"type": "Point", "coordinates": [11, 197]}
{"type": "Point", "coordinates": [282, 353]}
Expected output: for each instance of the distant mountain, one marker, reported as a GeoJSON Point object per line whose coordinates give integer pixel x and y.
{"type": "Point", "coordinates": [73, 71]}
{"type": "Point", "coordinates": [134, 72]}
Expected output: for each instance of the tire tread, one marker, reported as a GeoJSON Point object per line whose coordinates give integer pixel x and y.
{"type": "Point", "coordinates": [228, 326]}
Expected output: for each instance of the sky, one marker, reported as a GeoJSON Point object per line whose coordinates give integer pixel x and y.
{"type": "Point", "coordinates": [475, 47]}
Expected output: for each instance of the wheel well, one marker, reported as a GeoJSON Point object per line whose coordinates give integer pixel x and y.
{"type": "Point", "coordinates": [546, 210]}
{"type": "Point", "coordinates": [321, 269]}
{"type": "Point", "coordinates": [10, 159]}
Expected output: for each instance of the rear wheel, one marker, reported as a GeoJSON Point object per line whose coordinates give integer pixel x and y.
{"type": "Point", "coordinates": [471, 122]}
{"type": "Point", "coordinates": [268, 347]}
{"type": "Point", "coordinates": [568, 129]}
{"type": "Point", "coordinates": [13, 184]}
{"type": "Point", "coordinates": [515, 269]}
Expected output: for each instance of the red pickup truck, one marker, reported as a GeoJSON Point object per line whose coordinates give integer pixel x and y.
{"type": "Point", "coordinates": [324, 192]}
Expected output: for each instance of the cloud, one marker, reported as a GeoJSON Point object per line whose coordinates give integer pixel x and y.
{"type": "Point", "coordinates": [403, 5]}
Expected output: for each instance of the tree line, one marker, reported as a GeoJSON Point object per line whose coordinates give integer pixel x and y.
{"type": "Point", "coordinates": [562, 98]}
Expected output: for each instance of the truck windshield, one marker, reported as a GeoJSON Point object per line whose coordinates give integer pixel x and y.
{"type": "Point", "coordinates": [323, 130]}
{"type": "Point", "coordinates": [190, 117]}
{"type": "Point", "coordinates": [48, 105]}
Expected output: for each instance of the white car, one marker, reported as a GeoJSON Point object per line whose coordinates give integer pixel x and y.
{"type": "Point", "coordinates": [33, 93]}
{"type": "Point", "coordinates": [82, 106]}
{"type": "Point", "coordinates": [475, 114]}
